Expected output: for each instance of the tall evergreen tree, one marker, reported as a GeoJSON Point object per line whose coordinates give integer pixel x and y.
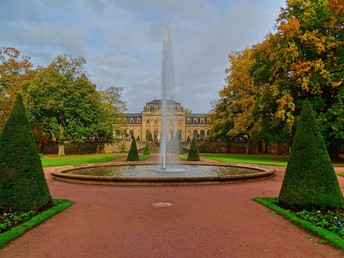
{"type": "Point", "coordinates": [310, 180]}
{"type": "Point", "coordinates": [22, 183]}
{"type": "Point", "coordinates": [146, 150]}
{"type": "Point", "coordinates": [133, 154]}
{"type": "Point", "coordinates": [193, 153]}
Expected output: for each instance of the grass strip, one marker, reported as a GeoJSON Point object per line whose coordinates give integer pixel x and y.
{"type": "Point", "coordinates": [330, 237]}
{"type": "Point", "coordinates": [79, 159]}
{"type": "Point", "coordinates": [15, 232]}
{"type": "Point", "coordinates": [143, 157]}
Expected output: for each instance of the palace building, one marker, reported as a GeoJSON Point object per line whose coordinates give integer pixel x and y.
{"type": "Point", "coordinates": [182, 126]}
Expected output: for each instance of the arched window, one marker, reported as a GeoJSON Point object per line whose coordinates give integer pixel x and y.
{"type": "Point", "coordinates": [148, 135]}
{"type": "Point", "coordinates": [156, 135]}
{"type": "Point", "coordinates": [179, 135]}
{"type": "Point", "coordinates": [202, 134]}
{"type": "Point", "coordinates": [131, 133]}
{"type": "Point", "coordinates": [195, 133]}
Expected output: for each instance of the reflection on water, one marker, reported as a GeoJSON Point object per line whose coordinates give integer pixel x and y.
{"type": "Point", "coordinates": [154, 171]}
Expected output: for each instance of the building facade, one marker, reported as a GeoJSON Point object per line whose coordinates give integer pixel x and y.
{"type": "Point", "coordinates": [181, 126]}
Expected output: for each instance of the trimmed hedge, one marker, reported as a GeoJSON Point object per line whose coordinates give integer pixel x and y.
{"type": "Point", "coordinates": [193, 153]}
{"type": "Point", "coordinates": [22, 183]}
{"type": "Point", "coordinates": [146, 150]}
{"type": "Point", "coordinates": [133, 154]}
{"type": "Point", "coordinates": [310, 180]}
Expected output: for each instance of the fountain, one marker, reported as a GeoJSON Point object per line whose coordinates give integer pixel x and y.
{"type": "Point", "coordinates": [168, 172]}
{"type": "Point", "coordinates": [167, 88]}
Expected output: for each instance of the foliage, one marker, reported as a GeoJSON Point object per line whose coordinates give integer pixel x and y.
{"type": "Point", "coordinates": [328, 236]}
{"type": "Point", "coordinates": [193, 153]}
{"type": "Point", "coordinates": [133, 154]}
{"type": "Point", "coordinates": [58, 206]}
{"type": "Point", "coordinates": [22, 183]}
{"type": "Point", "coordinates": [146, 150]}
{"type": "Point", "coordinates": [310, 180]}
{"type": "Point", "coordinates": [303, 59]}
{"type": "Point", "coordinates": [233, 113]}
{"type": "Point", "coordinates": [48, 161]}
{"type": "Point", "coordinates": [14, 71]}
{"type": "Point", "coordinates": [65, 104]}
{"type": "Point", "coordinates": [113, 108]}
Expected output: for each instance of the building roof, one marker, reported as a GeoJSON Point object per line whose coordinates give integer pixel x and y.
{"type": "Point", "coordinates": [158, 101]}
{"type": "Point", "coordinates": [132, 114]}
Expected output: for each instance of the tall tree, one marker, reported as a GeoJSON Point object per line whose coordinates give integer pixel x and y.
{"type": "Point", "coordinates": [233, 112]}
{"type": "Point", "coordinates": [22, 183]}
{"type": "Point", "coordinates": [64, 103]}
{"type": "Point", "coordinates": [304, 59]}
{"type": "Point", "coordinates": [15, 69]}
{"type": "Point", "coordinates": [310, 180]}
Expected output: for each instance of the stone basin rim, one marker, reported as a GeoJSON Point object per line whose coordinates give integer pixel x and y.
{"type": "Point", "coordinates": [60, 174]}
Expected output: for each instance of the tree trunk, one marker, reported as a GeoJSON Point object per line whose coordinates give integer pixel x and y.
{"type": "Point", "coordinates": [260, 146]}
{"type": "Point", "coordinates": [61, 143]}
{"type": "Point", "coordinates": [248, 145]}
{"type": "Point", "coordinates": [228, 146]}
{"type": "Point", "coordinates": [61, 150]}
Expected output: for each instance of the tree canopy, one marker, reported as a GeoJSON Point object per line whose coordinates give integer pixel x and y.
{"type": "Point", "coordinates": [65, 104]}
{"type": "Point", "coordinates": [304, 58]}
{"type": "Point", "coordinates": [15, 69]}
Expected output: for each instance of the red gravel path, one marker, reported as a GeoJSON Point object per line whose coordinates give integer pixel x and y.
{"type": "Point", "coordinates": [203, 221]}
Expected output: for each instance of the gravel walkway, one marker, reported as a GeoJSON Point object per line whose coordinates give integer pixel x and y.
{"type": "Point", "coordinates": [168, 221]}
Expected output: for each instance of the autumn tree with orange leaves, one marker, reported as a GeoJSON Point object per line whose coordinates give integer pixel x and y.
{"type": "Point", "coordinates": [267, 84]}
{"type": "Point", "coordinates": [15, 69]}
{"type": "Point", "coordinates": [239, 95]}
{"type": "Point", "coordinates": [303, 59]}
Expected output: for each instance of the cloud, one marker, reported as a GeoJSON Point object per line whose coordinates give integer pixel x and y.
{"type": "Point", "coordinates": [122, 40]}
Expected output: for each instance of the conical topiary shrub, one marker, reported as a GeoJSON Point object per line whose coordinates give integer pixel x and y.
{"type": "Point", "coordinates": [310, 180]}
{"type": "Point", "coordinates": [22, 183]}
{"type": "Point", "coordinates": [146, 150]}
{"type": "Point", "coordinates": [193, 153]}
{"type": "Point", "coordinates": [133, 154]}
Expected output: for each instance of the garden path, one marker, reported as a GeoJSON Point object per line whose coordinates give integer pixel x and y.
{"type": "Point", "coordinates": [202, 221]}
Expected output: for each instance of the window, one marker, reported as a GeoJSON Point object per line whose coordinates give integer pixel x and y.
{"type": "Point", "coordinates": [148, 121]}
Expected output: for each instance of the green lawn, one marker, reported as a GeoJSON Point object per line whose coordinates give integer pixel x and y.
{"type": "Point", "coordinates": [248, 159]}
{"type": "Point", "coordinates": [51, 161]}
{"type": "Point", "coordinates": [268, 160]}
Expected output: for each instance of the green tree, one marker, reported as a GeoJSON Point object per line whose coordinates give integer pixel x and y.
{"type": "Point", "coordinates": [22, 183]}
{"type": "Point", "coordinates": [146, 150]}
{"type": "Point", "coordinates": [193, 153]}
{"type": "Point", "coordinates": [65, 104]}
{"type": "Point", "coordinates": [15, 69]}
{"type": "Point", "coordinates": [233, 113]}
{"type": "Point", "coordinates": [133, 154]}
{"type": "Point", "coordinates": [310, 180]}
{"type": "Point", "coordinates": [303, 59]}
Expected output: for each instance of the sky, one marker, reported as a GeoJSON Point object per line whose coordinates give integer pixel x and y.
{"type": "Point", "coordinates": [121, 41]}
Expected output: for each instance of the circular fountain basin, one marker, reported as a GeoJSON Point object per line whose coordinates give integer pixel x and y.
{"type": "Point", "coordinates": [148, 174]}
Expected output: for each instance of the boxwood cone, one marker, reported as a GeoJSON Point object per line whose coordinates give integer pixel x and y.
{"type": "Point", "coordinates": [193, 153]}
{"type": "Point", "coordinates": [22, 183]}
{"type": "Point", "coordinates": [146, 150]}
{"type": "Point", "coordinates": [310, 180]}
{"type": "Point", "coordinates": [133, 154]}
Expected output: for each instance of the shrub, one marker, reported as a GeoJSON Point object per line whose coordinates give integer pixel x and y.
{"type": "Point", "coordinates": [146, 150]}
{"type": "Point", "coordinates": [310, 180]}
{"type": "Point", "coordinates": [193, 153]}
{"type": "Point", "coordinates": [133, 154]}
{"type": "Point", "coordinates": [22, 183]}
